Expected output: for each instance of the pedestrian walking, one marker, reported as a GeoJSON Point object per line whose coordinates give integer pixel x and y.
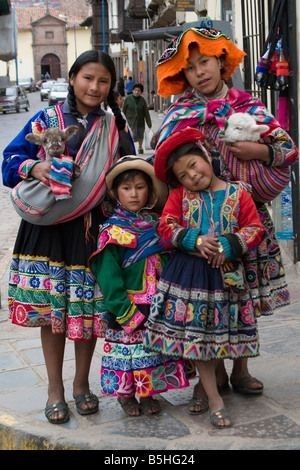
{"type": "Point", "coordinates": [129, 85]}
{"type": "Point", "coordinates": [137, 114]}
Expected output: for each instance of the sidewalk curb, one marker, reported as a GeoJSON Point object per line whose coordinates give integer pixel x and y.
{"type": "Point", "coordinates": [14, 439]}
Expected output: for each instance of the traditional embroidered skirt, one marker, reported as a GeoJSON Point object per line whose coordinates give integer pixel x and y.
{"type": "Point", "coordinates": [50, 282]}
{"type": "Point", "coordinates": [194, 317]}
{"type": "Point", "coordinates": [265, 272]}
{"type": "Point", "coordinates": [128, 370]}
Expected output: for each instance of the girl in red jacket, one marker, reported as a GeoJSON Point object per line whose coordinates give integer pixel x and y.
{"type": "Point", "coordinates": [202, 310]}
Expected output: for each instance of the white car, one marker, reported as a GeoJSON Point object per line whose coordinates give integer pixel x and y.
{"type": "Point", "coordinates": [58, 92]}
{"type": "Point", "coordinates": [28, 84]}
{"type": "Point", "coordinates": [45, 88]}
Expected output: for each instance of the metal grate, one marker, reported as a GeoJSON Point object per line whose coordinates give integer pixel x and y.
{"type": "Point", "coordinates": [255, 22]}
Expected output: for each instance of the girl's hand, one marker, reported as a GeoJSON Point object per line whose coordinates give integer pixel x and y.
{"type": "Point", "coordinates": [217, 260]}
{"type": "Point", "coordinates": [250, 151]}
{"type": "Point", "coordinates": [207, 246]}
{"type": "Point", "coordinates": [172, 223]}
{"type": "Point", "coordinates": [40, 171]}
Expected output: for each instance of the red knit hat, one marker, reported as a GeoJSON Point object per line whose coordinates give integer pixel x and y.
{"type": "Point", "coordinates": [188, 135]}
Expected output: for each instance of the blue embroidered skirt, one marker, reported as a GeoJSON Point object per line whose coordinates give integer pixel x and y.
{"type": "Point", "coordinates": [193, 316]}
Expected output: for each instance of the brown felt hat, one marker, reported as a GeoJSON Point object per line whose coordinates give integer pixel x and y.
{"type": "Point", "coordinates": [132, 162]}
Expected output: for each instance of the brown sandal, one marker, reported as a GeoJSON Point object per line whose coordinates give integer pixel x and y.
{"type": "Point", "coordinates": [243, 385]}
{"type": "Point", "coordinates": [53, 410]}
{"type": "Point", "coordinates": [198, 403]}
{"type": "Point", "coordinates": [130, 406]}
{"type": "Point", "coordinates": [83, 400]}
{"type": "Point", "coordinates": [220, 419]}
{"type": "Point", "coordinates": [150, 406]}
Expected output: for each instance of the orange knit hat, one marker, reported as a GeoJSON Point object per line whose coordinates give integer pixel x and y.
{"type": "Point", "coordinates": [210, 42]}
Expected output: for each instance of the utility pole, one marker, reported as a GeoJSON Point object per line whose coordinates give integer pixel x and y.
{"type": "Point", "coordinates": [75, 40]}
{"type": "Point", "coordinates": [15, 32]}
{"type": "Point", "coordinates": [100, 39]}
{"type": "Point", "coordinates": [294, 131]}
{"type": "Point", "coordinates": [104, 25]}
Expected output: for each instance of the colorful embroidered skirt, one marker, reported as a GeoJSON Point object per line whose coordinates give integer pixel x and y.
{"type": "Point", "coordinates": [265, 272]}
{"type": "Point", "coordinates": [194, 317]}
{"type": "Point", "coordinates": [50, 282]}
{"type": "Point", "coordinates": [127, 369]}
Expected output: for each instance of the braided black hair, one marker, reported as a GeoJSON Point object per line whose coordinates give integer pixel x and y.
{"type": "Point", "coordinates": [111, 101]}
{"type": "Point", "coordinates": [105, 60]}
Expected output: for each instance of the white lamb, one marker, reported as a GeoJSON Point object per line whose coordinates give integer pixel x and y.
{"type": "Point", "coordinates": [241, 127]}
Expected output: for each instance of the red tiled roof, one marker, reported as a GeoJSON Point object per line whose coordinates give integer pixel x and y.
{"type": "Point", "coordinates": [25, 16]}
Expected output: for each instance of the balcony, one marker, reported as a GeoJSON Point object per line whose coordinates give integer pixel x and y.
{"type": "Point", "coordinates": [166, 15]}
{"type": "Point", "coordinates": [137, 9]}
{"type": "Point", "coordinates": [153, 7]}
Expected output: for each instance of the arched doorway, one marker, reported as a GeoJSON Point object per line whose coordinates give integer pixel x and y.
{"type": "Point", "coordinates": [50, 65]}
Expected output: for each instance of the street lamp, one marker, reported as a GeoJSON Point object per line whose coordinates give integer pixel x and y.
{"type": "Point", "coordinates": [75, 40]}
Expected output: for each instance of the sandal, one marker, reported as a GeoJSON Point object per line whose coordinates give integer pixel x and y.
{"type": "Point", "coordinates": [198, 403]}
{"type": "Point", "coordinates": [54, 408]}
{"type": "Point", "coordinates": [85, 399]}
{"type": "Point", "coordinates": [150, 406]}
{"type": "Point", "coordinates": [243, 385]}
{"type": "Point", "coordinates": [220, 419]}
{"type": "Point", "coordinates": [130, 405]}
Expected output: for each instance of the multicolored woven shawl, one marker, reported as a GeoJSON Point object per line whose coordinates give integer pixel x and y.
{"type": "Point", "coordinates": [137, 236]}
{"type": "Point", "coordinates": [210, 117]}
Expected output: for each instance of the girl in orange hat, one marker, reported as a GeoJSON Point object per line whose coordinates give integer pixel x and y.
{"type": "Point", "coordinates": [203, 310]}
{"type": "Point", "coordinates": [199, 64]}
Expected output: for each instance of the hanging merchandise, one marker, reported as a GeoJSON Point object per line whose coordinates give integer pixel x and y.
{"type": "Point", "coordinates": [272, 70]}
{"type": "Point", "coordinates": [262, 70]}
{"type": "Point", "coordinates": [283, 215]}
{"type": "Point", "coordinates": [281, 69]}
{"type": "Point", "coordinates": [282, 110]}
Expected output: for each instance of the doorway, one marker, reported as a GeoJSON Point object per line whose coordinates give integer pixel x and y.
{"type": "Point", "coordinates": [50, 65]}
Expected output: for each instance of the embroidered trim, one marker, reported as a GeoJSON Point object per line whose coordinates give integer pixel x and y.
{"type": "Point", "coordinates": [26, 167]}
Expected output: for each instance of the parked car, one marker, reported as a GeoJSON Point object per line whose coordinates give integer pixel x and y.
{"type": "Point", "coordinates": [45, 88]}
{"type": "Point", "coordinates": [58, 92]}
{"type": "Point", "coordinates": [28, 84]}
{"type": "Point", "coordinates": [13, 98]}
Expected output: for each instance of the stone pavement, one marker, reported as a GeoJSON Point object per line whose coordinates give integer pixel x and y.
{"type": "Point", "coordinates": [270, 421]}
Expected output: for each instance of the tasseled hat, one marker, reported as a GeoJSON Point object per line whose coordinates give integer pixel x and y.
{"type": "Point", "coordinates": [210, 42]}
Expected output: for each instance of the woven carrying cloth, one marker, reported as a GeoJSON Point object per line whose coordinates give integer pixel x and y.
{"type": "Point", "coordinates": [35, 202]}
